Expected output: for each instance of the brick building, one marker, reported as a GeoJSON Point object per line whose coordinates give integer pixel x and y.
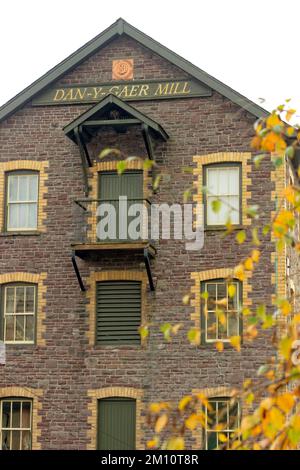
{"type": "Point", "coordinates": [76, 374]}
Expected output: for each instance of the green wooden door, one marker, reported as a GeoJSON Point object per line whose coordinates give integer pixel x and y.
{"type": "Point", "coordinates": [116, 424]}
{"type": "Point", "coordinates": [112, 186]}
{"type": "Point", "coordinates": [118, 312]}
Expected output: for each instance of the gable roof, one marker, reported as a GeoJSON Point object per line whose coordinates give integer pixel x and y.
{"type": "Point", "coordinates": [117, 29]}
{"type": "Point", "coordinates": [106, 104]}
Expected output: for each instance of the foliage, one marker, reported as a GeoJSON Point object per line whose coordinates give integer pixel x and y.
{"type": "Point", "coordinates": [272, 398]}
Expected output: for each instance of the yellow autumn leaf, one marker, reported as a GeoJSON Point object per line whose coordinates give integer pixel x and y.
{"type": "Point", "coordinates": [249, 264]}
{"type": "Point", "coordinates": [289, 114]}
{"type": "Point", "coordinates": [273, 120]}
{"type": "Point", "coordinates": [176, 328]}
{"type": "Point", "coordinates": [194, 336]}
{"type": "Point", "coordinates": [239, 272]}
{"type": "Point", "coordinates": [153, 443]}
{"type": "Point", "coordinates": [255, 255]}
{"type": "Point", "coordinates": [222, 437]}
{"type": "Point", "coordinates": [219, 346]}
{"type": "Point", "coordinates": [185, 299]}
{"type": "Point", "coordinates": [231, 290]}
{"type": "Point", "coordinates": [184, 402]}
{"type": "Point", "coordinates": [276, 418]}
{"type": "Point", "coordinates": [285, 307]}
{"type": "Point", "coordinates": [175, 443]}
{"type": "Point", "coordinates": [155, 407]}
{"type": "Point", "coordinates": [192, 421]}
{"type": "Point", "coordinates": [235, 341]}
{"type": "Point", "coordinates": [161, 423]}
{"type": "Point", "coordinates": [285, 402]}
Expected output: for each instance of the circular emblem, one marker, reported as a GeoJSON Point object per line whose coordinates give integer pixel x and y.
{"type": "Point", "coordinates": [122, 69]}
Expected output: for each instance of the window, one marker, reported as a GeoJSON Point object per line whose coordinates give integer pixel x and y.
{"type": "Point", "coordinates": [117, 424]}
{"type": "Point", "coordinates": [19, 308]}
{"type": "Point", "coordinates": [22, 201]}
{"type": "Point", "coordinates": [16, 424]}
{"type": "Point", "coordinates": [118, 312]}
{"type": "Point", "coordinates": [111, 187]}
{"type": "Point", "coordinates": [222, 417]}
{"type": "Point", "coordinates": [220, 315]}
{"type": "Point", "coordinates": [223, 183]}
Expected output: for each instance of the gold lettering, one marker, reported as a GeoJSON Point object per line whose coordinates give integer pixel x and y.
{"type": "Point", "coordinates": [79, 93]}
{"type": "Point", "coordinates": [69, 95]}
{"type": "Point", "coordinates": [124, 92]}
{"type": "Point", "coordinates": [134, 90]}
{"type": "Point", "coordinates": [176, 92]}
{"type": "Point", "coordinates": [97, 91]}
{"type": "Point", "coordinates": [162, 89]}
{"type": "Point", "coordinates": [59, 94]}
{"type": "Point", "coordinates": [114, 90]}
{"type": "Point", "coordinates": [186, 90]}
{"type": "Point", "coordinates": [144, 90]}
{"type": "Point", "coordinates": [171, 90]}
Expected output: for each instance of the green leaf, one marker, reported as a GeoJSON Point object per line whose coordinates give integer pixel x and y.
{"type": "Point", "coordinates": [261, 311]}
{"type": "Point", "coordinates": [216, 205]}
{"type": "Point", "coordinates": [107, 151]}
{"type": "Point", "coordinates": [290, 152]}
{"type": "Point", "coordinates": [241, 236]}
{"type": "Point", "coordinates": [266, 229]}
{"type": "Point", "coordinates": [262, 370]}
{"type": "Point", "coordinates": [121, 167]}
{"type": "Point", "coordinates": [166, 329]}
{"type": "Point", "coordinates": [252, 211]}
{"type": "Point", "coordinates": [148, 164]}
{"type": "Point", "coordinates": [156, 182]}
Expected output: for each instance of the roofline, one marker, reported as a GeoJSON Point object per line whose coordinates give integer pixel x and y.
{"type": "Point", "coordinates": [112, 99]}
{"type": "Point", "coordinates": [117, 29]}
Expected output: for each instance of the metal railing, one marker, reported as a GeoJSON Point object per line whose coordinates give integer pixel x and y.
{"type": "Point", "coordinates": [91, 215]}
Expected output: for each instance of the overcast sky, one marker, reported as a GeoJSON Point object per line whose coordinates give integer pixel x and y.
{"type": "Point", "coordinates": [251, 45]}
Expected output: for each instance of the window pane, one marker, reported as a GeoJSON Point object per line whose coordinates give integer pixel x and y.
{"type": "Point", "coordinates": [32, 216]}
{"type": "Point", "coordinates": [26, 440]}
{"type": "Point", "coordinates": [33, 188]}
{"type": "Point", "coordinates": [20, 299]}
{"type": "Point", "coordinates": [233, 325]}
{"type": "Point", "coordinates": [233, 181]}
{"type": "Point", "coordinates": [5, 440]}
{"type": "Point", "coordinates": [222, 290]}
{"type": "Point", "coordinates": [30, 297]}
{"type": "Point", "coordinates": [10, 295]}
{"type": "Point", "coordinates": [23, 216]}
{"type": "Point", "coordinates": [20, 327]}
{"type": "Point", "coordinates": [15, 441]}
{"type": "Point", "coordinates": [211, 440]}
{"type": "Point", "coordinates": [224, 182]}
{"type": "Point", "coordinates": [29, 329]}
{"type": "Point", "coordinates": [9, 328]}
{"type": "Point", "coordinates": [16, 414]}
{"type": "Point", "coordinates": [6, 414]}
{"type": "Point", "coordinates": [211, 325]}
{"type": "Point", "coordinates": [234, 204]}
{"type": "Point", "coordinates": [212, 181]}
{"type": "Point", "coordinates": [13, 188]}
{"type": "Point", "coordinates": [26, 414]}
{"type": "Point", "coordinates": [23, 187]}
{"type": "Point", "coordinates": [13, 216]}
{"type": "Point", "coordinates": [212, 216]}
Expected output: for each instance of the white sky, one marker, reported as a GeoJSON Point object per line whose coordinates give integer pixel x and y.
{"type": "Point", "coordinates": [250, 45]}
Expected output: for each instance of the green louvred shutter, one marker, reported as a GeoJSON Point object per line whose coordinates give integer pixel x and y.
{"type": "Point", "coordinates": [116, 424]}
{"type": "Point", "coordinates": [112, 186]}
{"type": "Point", "coordinates": [118, 312]}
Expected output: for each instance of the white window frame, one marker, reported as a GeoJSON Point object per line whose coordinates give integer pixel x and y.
{"type": "Point", "coordinates": [223, 198]}
{"type": "Point", "coordinates": [10, 429]}
{"type": "Point", "coordinates": [19, 202]}
{"type": "Point", "coordinates": [205, 312]}
{"type": "Point", "coordinates": [15, 314]}
{"type": "Point", "coordinates": [227, 430]}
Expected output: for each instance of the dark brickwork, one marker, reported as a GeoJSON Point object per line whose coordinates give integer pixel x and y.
{"type": "Point", "coordinates": [67, 367]}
